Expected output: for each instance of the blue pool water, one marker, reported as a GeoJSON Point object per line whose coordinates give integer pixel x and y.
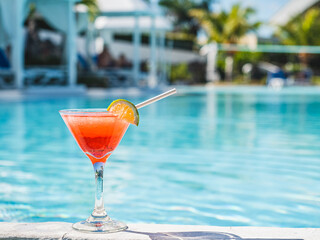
{"type": "Point", "coordinates": [229, 157]}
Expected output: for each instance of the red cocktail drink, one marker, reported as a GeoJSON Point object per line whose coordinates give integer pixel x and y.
{"type": "Point", "coordinates": [97, 134]}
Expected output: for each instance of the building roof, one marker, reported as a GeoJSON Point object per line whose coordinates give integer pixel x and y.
{"type": "Point", "coordinates": [123, 7]}
{"type": "Point", "coordinates": [290, 10]}
{"type": "Point", "coordinates": [124, 24]}
{"type": "Point", "coordinates": [120, 16]}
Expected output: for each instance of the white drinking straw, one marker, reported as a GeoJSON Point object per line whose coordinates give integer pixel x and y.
{"type": "Point", "coordinates": [156, 98]}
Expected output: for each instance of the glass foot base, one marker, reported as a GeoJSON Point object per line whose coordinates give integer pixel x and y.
{"type": "Point", "coordinates": [100, 225]}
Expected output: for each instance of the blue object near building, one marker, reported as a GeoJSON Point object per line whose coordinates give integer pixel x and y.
{"type": "Point", "coordinates": [279, 74]}
{"type": "Point", "coordinates": [4, 62]}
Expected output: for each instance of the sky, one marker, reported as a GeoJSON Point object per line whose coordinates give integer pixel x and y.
{"type": "Point", "coordinates": [265, 9]}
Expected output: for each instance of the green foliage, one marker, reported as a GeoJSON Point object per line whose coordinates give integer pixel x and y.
{"type": "Point", "coordinates": [93, 8]}
{"type": "Point", "coordinates": [241, 58]}
{"type": "Point", "coordinates": [221, 63]}
{"type": "Point", "coordinates": [180, 72]}
{"type": "Point", "coordinates": [301, 30]}
{"type": "Point", "coordinates": [190, 73]}
{"type": "Point", "coordinates": [292, 67]}
{"type": "Point", "coordinates": [315, 80]}
{"type": "Point", "coordinates": [226, 27]}
{"type": "Point", "coordinates": [32, 11]}
{"type": "Point", "coordinates": [179, 10]}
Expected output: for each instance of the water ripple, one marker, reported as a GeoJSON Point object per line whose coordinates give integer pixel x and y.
{"type": "Point", "coordinates": [213, 158]}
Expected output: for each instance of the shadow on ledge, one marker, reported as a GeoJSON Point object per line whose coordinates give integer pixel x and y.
{"type": "Point", "coordinates": [205, 235]}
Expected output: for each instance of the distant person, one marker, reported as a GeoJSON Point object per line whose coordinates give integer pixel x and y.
{"type": "Point", "coordinates": [105, 58]}
{"type": "Point", "coordinates": [307, 75]}
{"type": "Point", "coordinates": [123, 62]}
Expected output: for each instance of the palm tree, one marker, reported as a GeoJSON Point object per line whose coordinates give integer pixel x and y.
{"type": "Point", "coordinates": [93, 12]}
{"type": "Point", "coordinates": [179, 10]}
{"type": "Point", "coordinates": [301, 30]}
{"type": "Point", "coordinates": [226, 27]}
{"type": "Point", "coordinates": [93, 8]}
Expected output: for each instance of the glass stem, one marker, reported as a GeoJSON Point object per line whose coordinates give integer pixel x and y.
{"type": "Point", "coordinates": [99, 210]}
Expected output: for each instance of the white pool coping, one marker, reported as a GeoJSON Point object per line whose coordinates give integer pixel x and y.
{"type": "Point", "coordinates": [62, 230]}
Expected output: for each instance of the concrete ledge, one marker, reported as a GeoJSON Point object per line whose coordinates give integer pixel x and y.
{"type": "Point", "coordinates": [61, 230]}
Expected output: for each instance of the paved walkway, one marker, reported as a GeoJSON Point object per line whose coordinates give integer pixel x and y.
{"type": "Point", "coordinates": [60, 230]}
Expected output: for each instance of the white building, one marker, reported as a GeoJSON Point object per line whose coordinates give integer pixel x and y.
{"type": "Point", "coordinates": [292, 9]}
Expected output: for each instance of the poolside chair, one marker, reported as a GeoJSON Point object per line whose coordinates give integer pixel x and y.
{"type": "Point", "coordinates": [117, 77]}
{"type": "Point", "coordinates": [6, 78]}
{"type": "Point", "coordinates": [111, 76]}
{"type": "Point", "coordinates": [45, 76]}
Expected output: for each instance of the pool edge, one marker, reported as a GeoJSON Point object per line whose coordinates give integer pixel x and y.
{"type": "Point", "coordinates": [63, 230]}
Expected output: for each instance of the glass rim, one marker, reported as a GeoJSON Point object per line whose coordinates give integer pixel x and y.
{"type": "Point", "coordinates": [86, 111]}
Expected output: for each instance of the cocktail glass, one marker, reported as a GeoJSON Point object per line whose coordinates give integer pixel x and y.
{"type": "Point", "coordinates": [97, 132]}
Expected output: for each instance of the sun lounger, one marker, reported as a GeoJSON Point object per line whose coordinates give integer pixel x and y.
{"type": "Point", "coordinates": [44, 76]}
{"type": "Point", "coordinates": [117, 77]}
{"type": "Point", "coordinates": [6, 78]}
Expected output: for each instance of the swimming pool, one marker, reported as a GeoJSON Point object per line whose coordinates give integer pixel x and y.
{"type": "Point", "coordinates": [228, 157]}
